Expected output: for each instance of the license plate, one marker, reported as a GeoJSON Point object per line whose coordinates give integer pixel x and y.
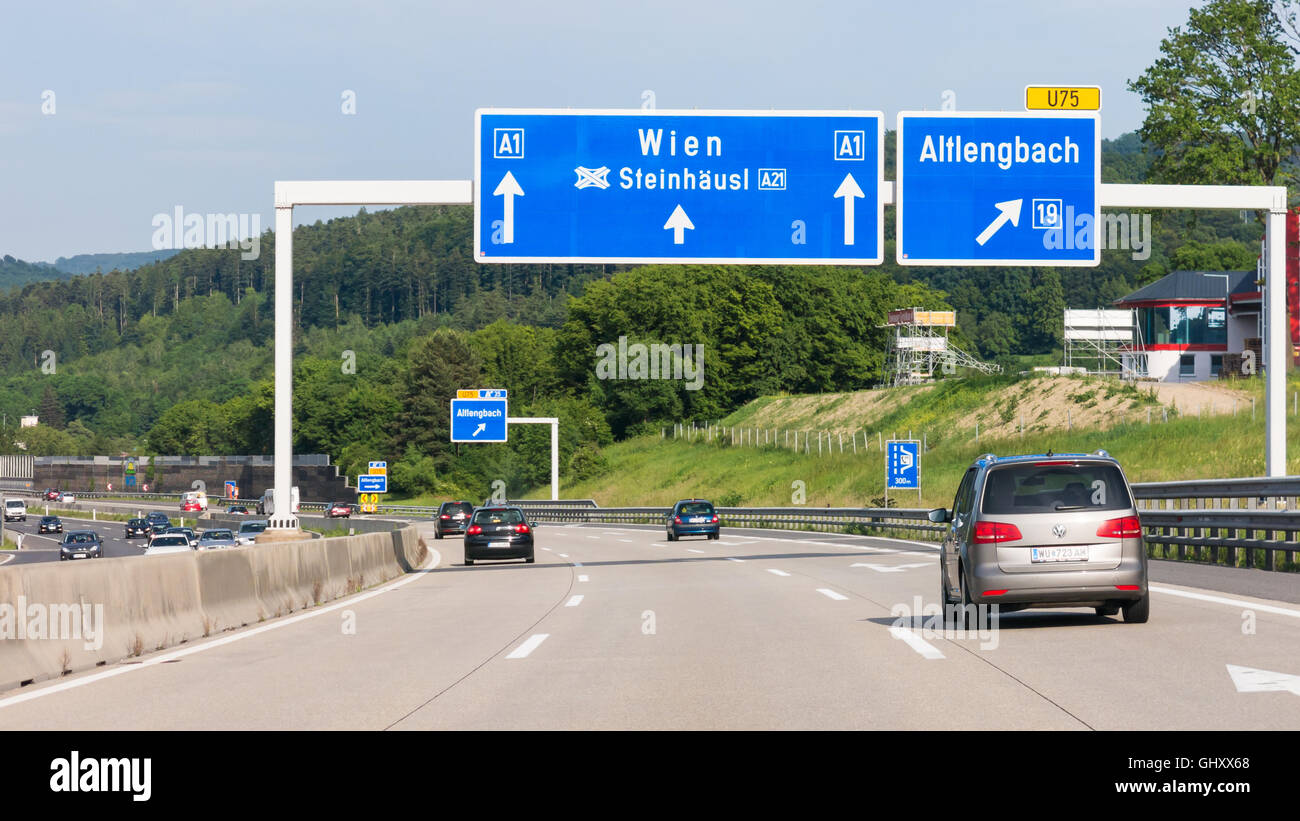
{"type": "Point", "coordinates": [498, 544]}
{"type": "Point", "coordinates": [699, 520]}
{"type": "Point", "coordinates": [1058, 554]}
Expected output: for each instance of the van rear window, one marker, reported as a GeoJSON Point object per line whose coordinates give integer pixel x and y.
{"type": "Point", "coordinates": [1053, 486]}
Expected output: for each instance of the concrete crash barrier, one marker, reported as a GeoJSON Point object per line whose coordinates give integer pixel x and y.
{"type": "Point", "coordinates": [64, 617]}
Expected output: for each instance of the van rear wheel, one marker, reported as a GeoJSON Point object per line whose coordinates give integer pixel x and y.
{"type": "Point", "coordinates": [1139, 611]}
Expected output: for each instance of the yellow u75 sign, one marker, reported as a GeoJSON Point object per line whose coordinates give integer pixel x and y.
{"type": "Point", "coordinates": [1063, 98]}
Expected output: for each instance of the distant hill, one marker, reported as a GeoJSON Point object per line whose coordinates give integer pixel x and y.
{"type": "Point", "coordinates": [15, 272]}
{"type": "Point", "coordinates": [125, 261]}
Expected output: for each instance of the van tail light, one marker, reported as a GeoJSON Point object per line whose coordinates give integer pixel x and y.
{"type": "Point", "coordinates": [677, 519]}
{"type": "Point", "coordinates": [994, 532]}
{"type": "Point", "coordinates": [715, 517]}
{"type": "Point", "coordinates": [995, 592]}
{"type": "Point", "coordinates": [521, 528]}
{"type": "Point", "coordinates": [1128, 587]}
{"type": "Point", "coordinates": [444, 516]}
{"type": "Point", "coordinates": [474, 530]}
{"type": "Point", "coordinates": [1125, 527]}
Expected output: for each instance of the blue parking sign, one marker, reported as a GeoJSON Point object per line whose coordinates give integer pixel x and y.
{"type": "Point", "coordinates": [903, 464]}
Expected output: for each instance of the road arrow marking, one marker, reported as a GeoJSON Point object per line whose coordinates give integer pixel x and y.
{"type": "Point", "coordinates": [849, 190]}
{"type": "Point", "coordinates": [897, 568]}
{"type": "Point", "coordinates": [1250, 680]}
{"type": "Point", "coordinates": [508, 188]}
{"type": "Point", "coordinates": [482, 426]}
{"type": "Point", "coordinates": [1010, 213]}
{"type": "Point", "coordinates": [679, 222]}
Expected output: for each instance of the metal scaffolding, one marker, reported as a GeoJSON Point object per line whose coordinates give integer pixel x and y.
{"type": "Point", "coordinates": [921, 346]}
{"type": "Point", "coordinates": [1098, 341]}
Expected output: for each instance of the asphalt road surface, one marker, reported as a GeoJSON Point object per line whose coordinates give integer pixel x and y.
{"type": "Point", "coordinates": [617, 628]}
{"type": "Point", "coordinates": [45, 547]}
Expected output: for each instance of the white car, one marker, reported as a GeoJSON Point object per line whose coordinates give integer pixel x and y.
{"type": "Point", "coordinates": [168, 543]}
{"type": "Point", "coordinates": [15, 509]}
{"type": "Point", "coordinates": [247, 533]}
{"type": "Point", "coordinates": [67, 497]}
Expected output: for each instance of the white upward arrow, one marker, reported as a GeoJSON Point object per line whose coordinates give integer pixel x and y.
{"type": "Point", "coordinates": [1010, 212]}
{"type": "Point", "coordinates": [508, 188]}
{"type": "Point", "coordinates": [1251, 680]}
{"type": "Point", "coordinates": [482, 426]}
{"type": "Point", "coordinates": [849, 190]}
{"type": "Point", "coordinates": [679, 222]}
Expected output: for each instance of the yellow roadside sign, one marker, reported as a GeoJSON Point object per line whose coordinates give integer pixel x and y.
{"type": "Point", "coordinates": [1063, 98]}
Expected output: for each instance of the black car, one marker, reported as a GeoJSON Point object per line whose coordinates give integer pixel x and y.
{"type": "Point", "coordinates": [50, 524]}
{"type": "Point", "coordinates": [81, 544]}
{"type": "Point", "coordinates": [158, 522]}
{"type": "Point", "coordinates": [498, 533]}
{"type": "Point", "coordinates": [693, 517]}
{"type": "Point", "coordinates": [137, 527]}
{"type": "Point", "coordinates": [452, 517]}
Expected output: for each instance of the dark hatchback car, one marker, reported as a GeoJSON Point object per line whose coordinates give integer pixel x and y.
{"type": "Point", "coordinates": [452, 517]}
{"type": "Point", "coordinates": [137, 527]}
{"type": "Point", "coordinates": [81, 544]}
{"type": "Point", "coordinates": [498, 533]}
{"type": "Point", "coordinates": [50, 524]}
{"type": "Point", "coordinates": [693, 517]}
{"type": "Point", "coordinates": [158, 522]}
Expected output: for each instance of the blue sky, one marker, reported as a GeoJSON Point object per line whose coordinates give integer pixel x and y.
{"type": "Point", "coordinates": [205, 105]}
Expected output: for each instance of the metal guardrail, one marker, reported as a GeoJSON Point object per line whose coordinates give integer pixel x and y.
{"type": "Point", "coordinates": [839, 519]}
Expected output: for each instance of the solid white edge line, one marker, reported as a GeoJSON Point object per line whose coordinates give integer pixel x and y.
{"type": "Point", "coordinates": [434, 559]}
{"type": "Point", "coordinates": [530, 644]}
{"type": "Point", "coordinates": [776, 572]}
{"type": "Point", "coordinates": [734, 559]}
{"type": "Point", "coordinates": [831, 594]}
{"type": "Point", "coordinates": [574, 601]}
{"type": "Point", "coordinates": [1242, 603]}
{"type": "Point", "coordinates": [917, 643]}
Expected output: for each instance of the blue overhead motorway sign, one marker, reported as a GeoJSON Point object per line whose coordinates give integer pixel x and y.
{"type": "Point", "coordinates": [998, 188]}
{"type": "Point", "coordinates": [678, 186]}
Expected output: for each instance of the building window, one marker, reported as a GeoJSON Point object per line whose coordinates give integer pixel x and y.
{"type": "Point", "coordinates": [1216, 364]}
{"type": "Point", "coordinates": [1183, 325]}
{"type": "Point", "coordinates": [1187, 365]}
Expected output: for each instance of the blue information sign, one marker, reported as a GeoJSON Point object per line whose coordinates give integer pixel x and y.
{"type": "Point", "coordinates": [372, 483]}
{"type": "Point", "coordinates": [678, 186]}
{"type": "Point", "coordinates": [481, 419]}
{"type": "Point", "coordinates": [998, 188]}
{"type": "Point", "coordinates": [903, 464]}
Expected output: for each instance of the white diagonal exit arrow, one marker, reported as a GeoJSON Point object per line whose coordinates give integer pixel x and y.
{"type": "Point", "coordinates": [482, 426]}
{"type": "Point", "coordinates": [1010, 212]}
{"type": "Point", "coordinates": [679, 222]}
{"type": "Point", "coordinates": [1251, 680]}
{"type": "Point", "coordinates": [508, 188]}
{"type": "Point", "coordinates": [849, 190]}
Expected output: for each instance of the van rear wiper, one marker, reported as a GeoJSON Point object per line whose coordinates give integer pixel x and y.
{"type": "Point", "coordinates": [1071, 507]}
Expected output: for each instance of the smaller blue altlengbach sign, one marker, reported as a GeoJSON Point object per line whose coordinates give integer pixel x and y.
{"type": "Point", "coordinates": [903, 465]}
{"type": "Point", "coordinates": [372, 484]}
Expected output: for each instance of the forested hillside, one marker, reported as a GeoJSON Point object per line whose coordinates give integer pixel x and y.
{"type": "Point", "coordinates": [392, 314]}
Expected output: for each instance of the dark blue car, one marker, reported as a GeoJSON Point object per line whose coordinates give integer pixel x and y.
{"type": "Point", "coordinates": [693, 517]}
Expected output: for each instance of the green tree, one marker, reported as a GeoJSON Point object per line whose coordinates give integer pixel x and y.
{"type": "Point", "coordinates": [50, 410]}
{"type": "Point", "coordinates": [1223, 98]}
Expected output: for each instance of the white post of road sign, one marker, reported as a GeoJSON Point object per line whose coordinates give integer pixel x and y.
{"type": "Point", "coordinates": [554, 422]}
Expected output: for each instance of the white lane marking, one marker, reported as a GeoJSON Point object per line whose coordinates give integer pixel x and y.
{"type": "Point", "coordinates": [776, 572]}
{"type": "Point", "coordinates": [1252, 680]}
{"type": "Point", "coordinates": [593, 537]}
{"type": "Point", "coordinates": [629, 541]}
{"type": "Point", "coordinates": [7, 559]}
{"type": "Point", "coordinates": [547, 549]}
{"type": "Point", "coordinates": [693, 550]}
{"type": "Point", "coordinates": [574, 601]}
{"type": "Point", "coordinates": [577, 564]}
{"type": "Point", "coordinates": [435, 558]}
{"type": "Point", "coordinates": [734, 559]}
{"type": "Point", "coordinates": [582, 578]}
{"type": "Point", "coordinates": [1242, 603]}
{"type": "Point", "coordinates": [917, 643]}
{"type": "Point", "coordinates": [563, 555]}
{"type": "Point", "coordinates": [534, 641]}
{"type": "Point", "coordinates": [729, 543]}
{"type": "Point", "coordinates": [886, 568]}
{"type": "Point", "coordinates": [831, 594]}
